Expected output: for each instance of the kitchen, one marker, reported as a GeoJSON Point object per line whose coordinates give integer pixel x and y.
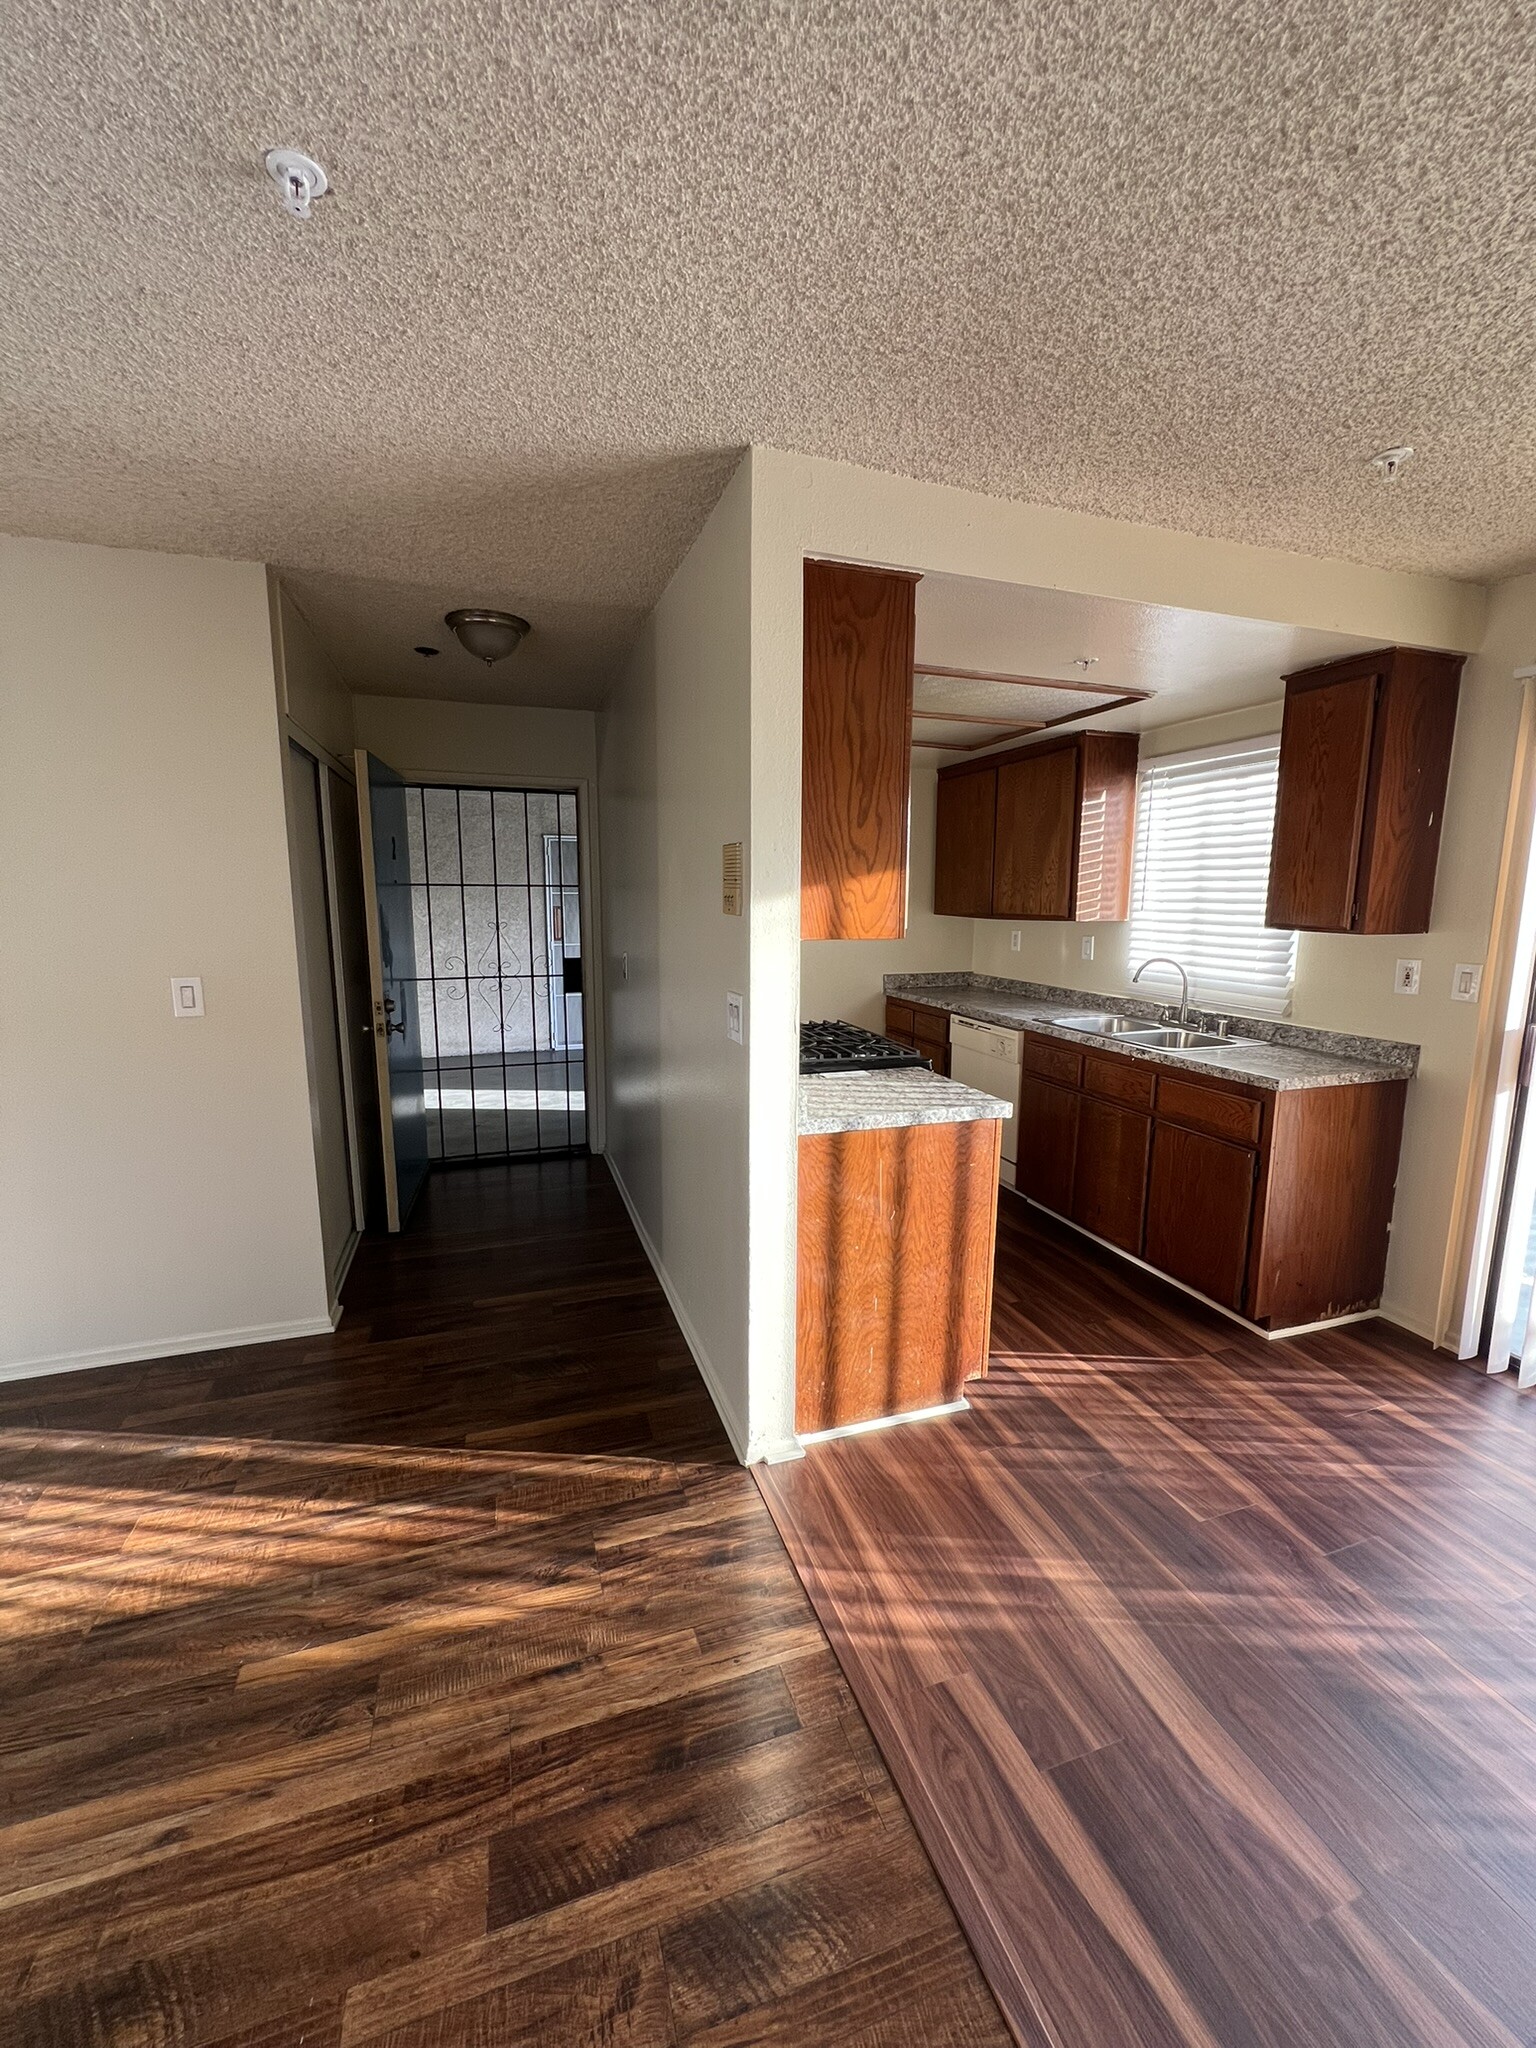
{"type": "Point", "coordinates": [1151, 805]}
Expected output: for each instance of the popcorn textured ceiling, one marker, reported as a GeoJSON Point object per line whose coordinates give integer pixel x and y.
{"type": "Point", "coordinates": [1180, 263]}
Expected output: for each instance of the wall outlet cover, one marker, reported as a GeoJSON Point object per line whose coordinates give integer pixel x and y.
{"type": "Point", "coordinates": [1467, 982]}
{"type": "Point", "coordinates": [734, 1011]}
{"type": "Point", "coordinates": [187, 995]}
{"type": "Point", "coordinates": [1405, 982]}
{"type": "Point", "coordinates": [1088, 947]}
{"type": "Point", "coordinates": [1015, 941]}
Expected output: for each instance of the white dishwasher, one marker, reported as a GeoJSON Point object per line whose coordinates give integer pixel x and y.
{"type": "Point", "coordinates": [986, 1056]}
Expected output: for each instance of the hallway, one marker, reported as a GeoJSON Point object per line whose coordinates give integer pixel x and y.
{"type": "Point", "coordinates": [442, 1682]}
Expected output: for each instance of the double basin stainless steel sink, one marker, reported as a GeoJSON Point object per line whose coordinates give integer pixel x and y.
{"type": "Point", "coordinates": [1137, 1031]}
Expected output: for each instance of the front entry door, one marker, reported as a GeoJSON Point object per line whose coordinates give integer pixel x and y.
{"type": "Point", "coordinates": [392, 971]}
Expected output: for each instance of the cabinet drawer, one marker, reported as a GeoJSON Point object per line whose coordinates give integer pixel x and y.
{"type": "Point", "coordinates": [898, 1022]}
{"type": "Point", "coordinates": [1209, 1109]}
{"type": "Point", "coordinates": [1127, 1081]}
{"type": "Point", "coordinates": [1056, 1062]}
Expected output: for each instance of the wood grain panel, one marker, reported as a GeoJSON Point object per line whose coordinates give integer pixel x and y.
{"type": "Point", "coordinates": [440, 1681]}
{"type": "Point", "coordinates": [1109, 1183]}
{"type": "Point", "coordinates": [1321, 1246]}
{"type": "Point", "coordinates": [1411, 764]}
{"type": "Point", "coordinates": [1036, 834]}
{"type": "Point", "coordinates": [1052, 1060]}
{"type": "Point", "coordinates": [855, 752]}
{"type": "Point", "coordinates": [1106, 830]}
{"type": "Point", "coordinates": [1047, 1148]}
{"type": "Point", "coordinates": [1199, 1206]}
{"type": "Point", "coordinates": [1325, 752]}
{"type": "Point", "coordinates": [895, 1269]}
{"type": "Point", "coordinates": [964, 836]}
{"type": "Point", "coordinates": [1221, 1111]}
{"type": "Point", "coordinates": [1133, 1082]}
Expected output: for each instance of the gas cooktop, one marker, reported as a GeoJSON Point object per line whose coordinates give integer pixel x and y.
{"type": "Point", "coordinates": [836, 1048]}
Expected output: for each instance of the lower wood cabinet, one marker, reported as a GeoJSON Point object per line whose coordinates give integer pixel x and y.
{"type": "Point", "coordinates": [1048, 1117]}
{"type": "Point", "coordinates": [1109, 1182]}
{"type": "Point", "coordinates": [1276, 1203]}
{"type": "Point", "coordinates": [925, 1029]}
{"type": "Point", "coordinates": [1200, 1210]}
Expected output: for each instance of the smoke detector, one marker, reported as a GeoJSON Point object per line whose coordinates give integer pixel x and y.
{"type": "Point", "coordinates": [489, 636]}
{"type": "Point", "coordinates": [1391, 462]}
{"type": "Point", "coordinates": [298, 178]}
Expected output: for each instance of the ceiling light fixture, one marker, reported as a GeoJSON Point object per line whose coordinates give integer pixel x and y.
{"type": "Point", "coordinates": [298, 178]}
{"type": "Point", "coordinates": [1390, 463]}
{"type": "Point", "coordinates": [489, 636]}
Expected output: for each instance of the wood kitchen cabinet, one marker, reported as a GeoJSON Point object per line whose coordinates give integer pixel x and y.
{"type": "Point", "coordinates": [1045, 831]}
{"type": "Point", "coordinates": [856, 751]}
{"type": "Point", "coordinates": [1365, 751]}
{"type": "Point", "coordinates": [1199, 1211]}
{"type": "Point", "coordinates": [1274, 1202]}
{"type": "Point", "coordinates": [922, 1027]}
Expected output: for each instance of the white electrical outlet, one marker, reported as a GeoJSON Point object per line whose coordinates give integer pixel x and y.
{"type": "Point", "coordinates": [1466, 983]}
{"type": "Point", "coordinates": [1405, 982]}
{"type": "Point", "coordinates": [734, 1008]}
{"type": "Point", "coordinates": [1088, 947]}
{"type": "Point", "coordinates": [1015, 941]}
{"type": "Point", "coordinates": [186, 995]}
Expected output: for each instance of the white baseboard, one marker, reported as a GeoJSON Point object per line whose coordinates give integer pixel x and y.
{"type": "Point", "coordinates": [733, 1425]}
{"type": "Point", "coordinates": [826, 1436]}
{"type": "Point", "coordinates": [165, 1347]}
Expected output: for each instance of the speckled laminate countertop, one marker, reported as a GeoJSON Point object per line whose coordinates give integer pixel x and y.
{"type": "Point", "coordinates": [890, 1101]}
{"type": "Point", "coordinates": [1281, 1056]}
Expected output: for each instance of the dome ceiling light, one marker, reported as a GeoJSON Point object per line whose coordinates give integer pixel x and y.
{"type": "Point", "coordinates": [488, 636]}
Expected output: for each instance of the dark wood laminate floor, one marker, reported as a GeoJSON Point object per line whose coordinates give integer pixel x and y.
{"type": "Point", "coordinates": [443, 1682]}
{"type": "Point", "coordinates": [1207, 1667]}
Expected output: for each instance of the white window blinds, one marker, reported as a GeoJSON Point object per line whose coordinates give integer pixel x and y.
{"type": "Point", "coordinates": [1203, 827]}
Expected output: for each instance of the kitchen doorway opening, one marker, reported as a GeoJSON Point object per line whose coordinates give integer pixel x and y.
{"type": "Point", "coordinates": [495, 882]}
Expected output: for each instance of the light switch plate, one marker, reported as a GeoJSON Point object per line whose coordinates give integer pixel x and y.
{"type": "Point", "coordinates": [1088, 947]}
{"type": "Point", "coordinates": [734, 1009]}
{"type": "Point", "coordinates": [1015, 941]}
{"type": "Point", "coordinates": [187, 995]}
{"type": "Point", "coordinates": [1467, 982]}
{"type": "Point", "coordinates": [1405, 982]}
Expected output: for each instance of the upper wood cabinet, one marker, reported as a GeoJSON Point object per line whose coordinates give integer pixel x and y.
{"type": "Point", "coordinates": [856, 751]}
{"type": "Point", "coordinates": [1046, 831]}
{"type": "Point", "coordinates": [1365, 751]}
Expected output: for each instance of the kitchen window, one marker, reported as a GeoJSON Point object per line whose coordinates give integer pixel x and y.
{"type": "Point", "coordinates": [1204, 823]}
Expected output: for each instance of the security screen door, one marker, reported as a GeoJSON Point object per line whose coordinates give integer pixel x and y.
{"type": "Point", "coordinates": [496, 905]}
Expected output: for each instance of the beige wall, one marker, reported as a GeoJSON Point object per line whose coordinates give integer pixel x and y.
{"type": "Point", "coordinates": [674, 786]}
{"type": "Point", "coordinates": [1345, 984]}
{"type": "Point", "coordinates": [801, 506]}
{"type": "Point", "coordinates": [843, 977]}
{"type": "Point", "coordinates": [157, 1177]}
{"type": "Point", "coordinates": [428, 737]}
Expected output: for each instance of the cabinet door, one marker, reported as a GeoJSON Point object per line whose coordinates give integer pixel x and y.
{"type": "Point", "coordinates": [1047, 1142]}
{"type": "Point", "coordinates": [1199, 1208]}
{"type": "Point", "coordinates": [963, 836]}
{"type": "Point", "coordinates": [1036, 833]}
{"type": "Point", "coordinates": [1325, 754]}
{"type": "Point", "coordinates": [1109, 1186]}
{"type": "Point", "coordinates": [856, 755]}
